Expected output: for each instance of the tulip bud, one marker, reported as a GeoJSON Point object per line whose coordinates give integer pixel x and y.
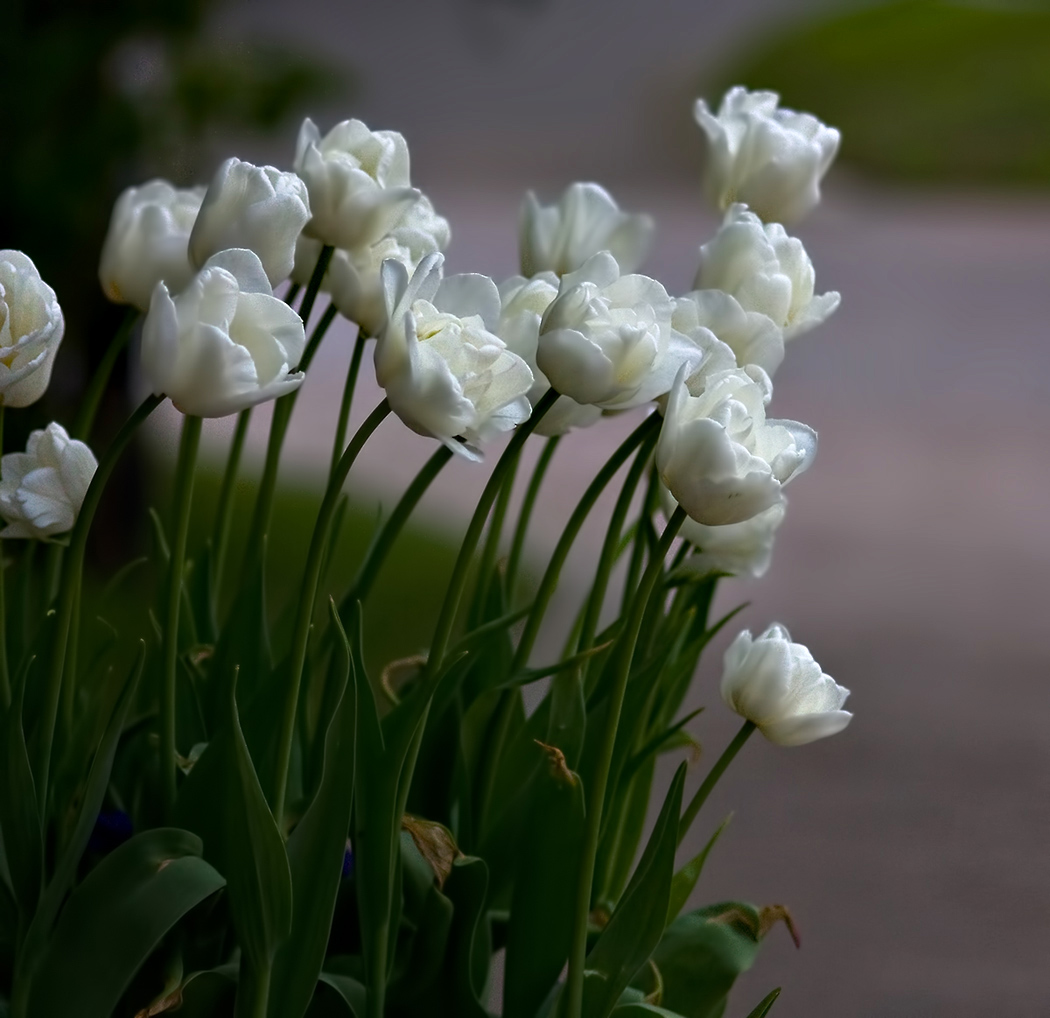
{"type": "Point", "coordinates": [777, 685]}
{"type": "Point", "coordinates": [358, 182]}
{"type": "Point", "coordinates": [445, 371]}
{"type": "Point", "coordinates": [766, 271]}
{"type": "Point", "coordinates": [148, 241]}
{"type": "Point", "coordinates": [607, 339]}
{"type": "Point", "coordinates": [718, 455]}
{"type": "Point", "coordinates": [255, 207]}
{"type": "Point", "coordinates": [225, 343]}
{"type": "Point", "coordinates": [771, 159]}
{"type": "Point", "coordinates": [560, 238]}
{"type": "Point", "coordinates": [31, 328]}
{"type": "Point", "coordinates": [43, 488]}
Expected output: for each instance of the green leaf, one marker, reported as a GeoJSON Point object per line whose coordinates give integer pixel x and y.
{"type": "Point", "coordinates": [469, 939]}
{"type": "Point", "coordinates": [19, 812]}
{"type": "Point", "coordinates": [638, 1009]}
{"type": "Point", "coordinates": [685, 879]}
{"type": "Point", "coordinates": [208, 994]}
{"type": "Point", "coordinates": [315, 855]}
{"type": "Point", "coordinates": [39, 932]}
{"type": "Point", "coordinates": [349, 991]}
{"type": "Point", "coordinates": [568, 715]}
{"type": "Point", "coordinates": [636, 926]}
{"type": "Point", "coordinates": [624, 826]}
{"type": "Point", "coordinates": [114, 920]}
{"type": "Point", "coordinates": [544, 888]}
{"type": "Point", "coordinates": [701, 955]}
{"type": "Point", "coordinates": [765, 1005]}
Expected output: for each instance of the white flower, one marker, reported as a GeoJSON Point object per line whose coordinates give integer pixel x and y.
{"type": "Point", "coordinates": [445, 372]}
{"type": "Point", "coordinates": [765, 270]}
{"type": "Point", "coordinates": [358, 181]}
{"type": "Point", "coordinates": [750, 337]}
{"type": "Point", "coordinates": [256, 207]}
{"type": "Point", "coordinates": [43, 488]}
{"type": "Point", "coordinates": [225, 343]}
{"type": "Point", "coordinates": [777, 685]}
{"type": "Point", "coordinates": [771, 159]}
{"type": "Point", "coordinates": [148, 241]}
{"type": "Point", "coordinates": [607, 339]}
{"type": "Point", "coordinates": [353, 277]}
{"type": "Point", "coordinates": [523, 302]}
{"type": "Point", "coordinates": [31, 328]}
{"type": "Point", "coordinates": [560, 238]}
{"type": "Point", "coordinates": [719, 456]}
{"type": "Point", "coordinates": [739, 549]}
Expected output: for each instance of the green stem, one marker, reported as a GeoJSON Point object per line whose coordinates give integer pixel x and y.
{"type": "Point", "coordinates": [348, 398]}
{"type": "Point", "coordinates": [96, 390]}
{"type": "Point", "coordinates": [224, 510]}
{"type": "Point", "coordinates": [624, 652]}
{"type": "Point", "coordinates": [458, 579]}
{"type": "Point", "coordinates": [517, 546]}
{"type": "Point", "coordinates": [69, 587]}
{"type": "Point", "coordinates": [634, 569]}
{"type": "Point", "coordinates": [549, 583]}
{"type": "Point", "coordinates": [607, 559]}
{"type": "Point", "coordinates": [292, 292]}
{"type": "Point", "coordinates": [282, 414]}
{"type": "Point", "coordinates": [384, 539]}
{"type": "Point", "coordinates": [307, 598]}
{"type": "Point", "coordinates": [5, 678]}
{"type": "Point", "coordinates": [490, 549]}
{"type": "Point", "coordinates": [712, 778]}
{"type": "Point", "coordinates": [313, 288]}
{"type": "Point", "coordinates": [191, 434]}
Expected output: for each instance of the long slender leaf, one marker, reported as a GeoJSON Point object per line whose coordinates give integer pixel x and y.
{"type": "Point", "coordinates": [685, 879]}
{"type": "Point", "coordinates": [636, 926]}
{"type": "Point", "coordinates": [315, 854]}
{"type": "Point", "coordinates": [765, 1005]}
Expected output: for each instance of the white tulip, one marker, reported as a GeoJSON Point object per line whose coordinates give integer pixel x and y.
{"type": "Point", "coordinates": [445, 372]}
{"type": "Point", "coordinates": [148, 241]}
{"type": "Point", "coordinates": [31, 328]}
{"type": "Point", "coordinates": [607, 339]}
{"type": "Point", "coordinates": [358, 181]}
{"type": "Point", "coordinates": [718, 455]}
{"type": "Point", "coordinates": [749, 336]}
{"type": "Point", "coordinates": [523, 302]}
{"type": "Point", "coordinates": [739, 549]}
{"type": "Point", "coordinates": [777, 685]}
{"type": "Point", "coordinates": [560, 238]}
{"type": "Point", "coordinates": [256, 207]}
{"type": "Point", "coordinates": [353, 277]}
{"type": "Point", "coordinates": [43, 488]}
{"type": "Point", "coordinates": [771, 159]}
{"type": "Point", "coordinates": [225, 343]}
{"type": "Point", "coordinates": [766, 271]}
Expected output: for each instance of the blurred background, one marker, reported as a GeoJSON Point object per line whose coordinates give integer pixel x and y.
{"type": "Point", "coordinates": [915, 562]}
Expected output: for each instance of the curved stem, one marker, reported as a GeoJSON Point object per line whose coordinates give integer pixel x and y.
{"type": "Point", "coordinates": [85, 418]}
{"type": "Point", "coordinates": [384, 539]}
{"type": "Point", "coordinates": [634, 569]}
{"type": "Point", "coordinates": [712, 778]}
{"type": "Point", "coordinates": [224, 510]}
{"type": "Point", "coordinates": [549, 582]}
{"type": "Point", "coordinates": [307, 598]}
{"type": "Point", "coordinates": [457, 581]}
{"type": "Point", "coordinates": [624, 652]}
{"type": "Point", "coordinates": [490, 549]}
{"type": "Point", "coordinates": [607, 558]}
{"type": "Point", "coordinates": [69, 587]}
{"type": "Point", "coordinates": [313, 288]}
{"type": "Point", "coordinates": [348, 398]}
{"type": "Point", "coordinates": [531, 492]}
{"type": "Point", "coordinates": [282, 414]}
{"type": "Point", "coordinates": [191, 435]}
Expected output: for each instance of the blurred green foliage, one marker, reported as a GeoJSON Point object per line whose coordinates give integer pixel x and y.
{"type": "Point", "coordinates": [923, 90]}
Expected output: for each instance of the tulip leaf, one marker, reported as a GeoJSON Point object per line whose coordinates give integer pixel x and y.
{"type": "Point", "coordinates": [568, 716]}
{"type": "Point", "coordinates": [639, 1009]}
{"type": "Point", "coordinates": [469, 939]}
{"type": "Point", "coordinates": [209, 993]}
{"type": "Point", "coordinates": [544, 887]}
{"type": "Point", "coordinates": [351, 994]}
{"type": "Point", "coordinates": [765, 1005]}
{"type": "Point", "coordinates": [19, 817]}
{"type": "Point", "coordinates": [636, 926]}
{"type": "Point", "coordinates": [701, 955]}
{"type": "Point", "coordinates": [685, 879]}
{"type": "Point", "coordinates": [623, 831]}
{"type": "Point", "coordinates": [315, 854]}
{"type": "Point", "coordinates": [115, 918]}
{"type": "Point", "coordinates": [39, 932]}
